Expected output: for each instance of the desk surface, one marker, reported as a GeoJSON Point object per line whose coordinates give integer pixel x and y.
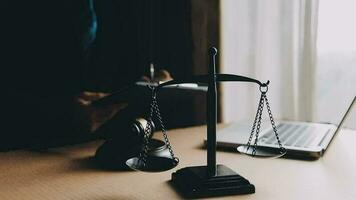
{"type": "Point", "coordinates": [65, 173]}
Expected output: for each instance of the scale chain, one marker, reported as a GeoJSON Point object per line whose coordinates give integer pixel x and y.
{"type": "Point", "coordinates": [257, 121]}
{"type": "Point", "coordinates": [147, 133]}
{"type": "Point", "coordinates": [254, 124]}
{"type": "Point", "coordinates": [144, 151]}
{"type": "Point", "coordinates": [282, 149]}
{"type": "Point", "coordinates": [154, 109]}
{"type": "Point", "coordinates": [258, 125]}
{"type": "Point", "coordinates": [163, 129]}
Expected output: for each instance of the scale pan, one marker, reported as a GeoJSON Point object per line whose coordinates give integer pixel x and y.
{"type": "Point", "coordinates": [153, 164]}
{"type": "Point", "coordinates": [261, 152]}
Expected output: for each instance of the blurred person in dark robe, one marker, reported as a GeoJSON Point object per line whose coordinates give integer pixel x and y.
{"type": "Point", "coordinates": [53, 51]}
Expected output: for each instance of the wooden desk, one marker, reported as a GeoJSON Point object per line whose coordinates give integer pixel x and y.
{"type": "Point", "coordinates": [66, 173]}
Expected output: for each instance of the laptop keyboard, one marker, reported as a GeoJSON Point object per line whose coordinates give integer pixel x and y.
{"type": "Point", "coordinates": [291, 135]}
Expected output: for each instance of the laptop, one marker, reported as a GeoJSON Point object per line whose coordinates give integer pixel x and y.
{"type": "Point", "coordinates": [301, 139]}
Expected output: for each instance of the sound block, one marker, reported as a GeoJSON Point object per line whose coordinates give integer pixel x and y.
{"type": "Point", "coordinates": [193, 182]}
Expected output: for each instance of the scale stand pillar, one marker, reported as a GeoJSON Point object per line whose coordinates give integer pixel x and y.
{"type": "Point", "coordinates": [211, 116]}
{"type": "Point", "coordinates": [211, 180]}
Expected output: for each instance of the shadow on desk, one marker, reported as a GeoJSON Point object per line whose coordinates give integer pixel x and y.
{"type": "Point", "coordinates": [78, 164]}
{"type": "Point", "coordinates": [234, 151]}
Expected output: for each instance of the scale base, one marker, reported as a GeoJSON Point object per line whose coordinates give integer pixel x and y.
{"type": "Point", "coordinates": [193, 182]}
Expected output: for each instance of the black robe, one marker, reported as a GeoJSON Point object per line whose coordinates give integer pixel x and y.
{"type": "Point", "coordinates": [51, 51]}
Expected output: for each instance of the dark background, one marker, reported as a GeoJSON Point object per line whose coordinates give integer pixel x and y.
{"type": "Point", "coordinates": [45, 60]}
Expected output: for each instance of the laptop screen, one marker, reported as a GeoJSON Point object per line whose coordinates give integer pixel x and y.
{"type": "Point", "coordinates": [347, 113]}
